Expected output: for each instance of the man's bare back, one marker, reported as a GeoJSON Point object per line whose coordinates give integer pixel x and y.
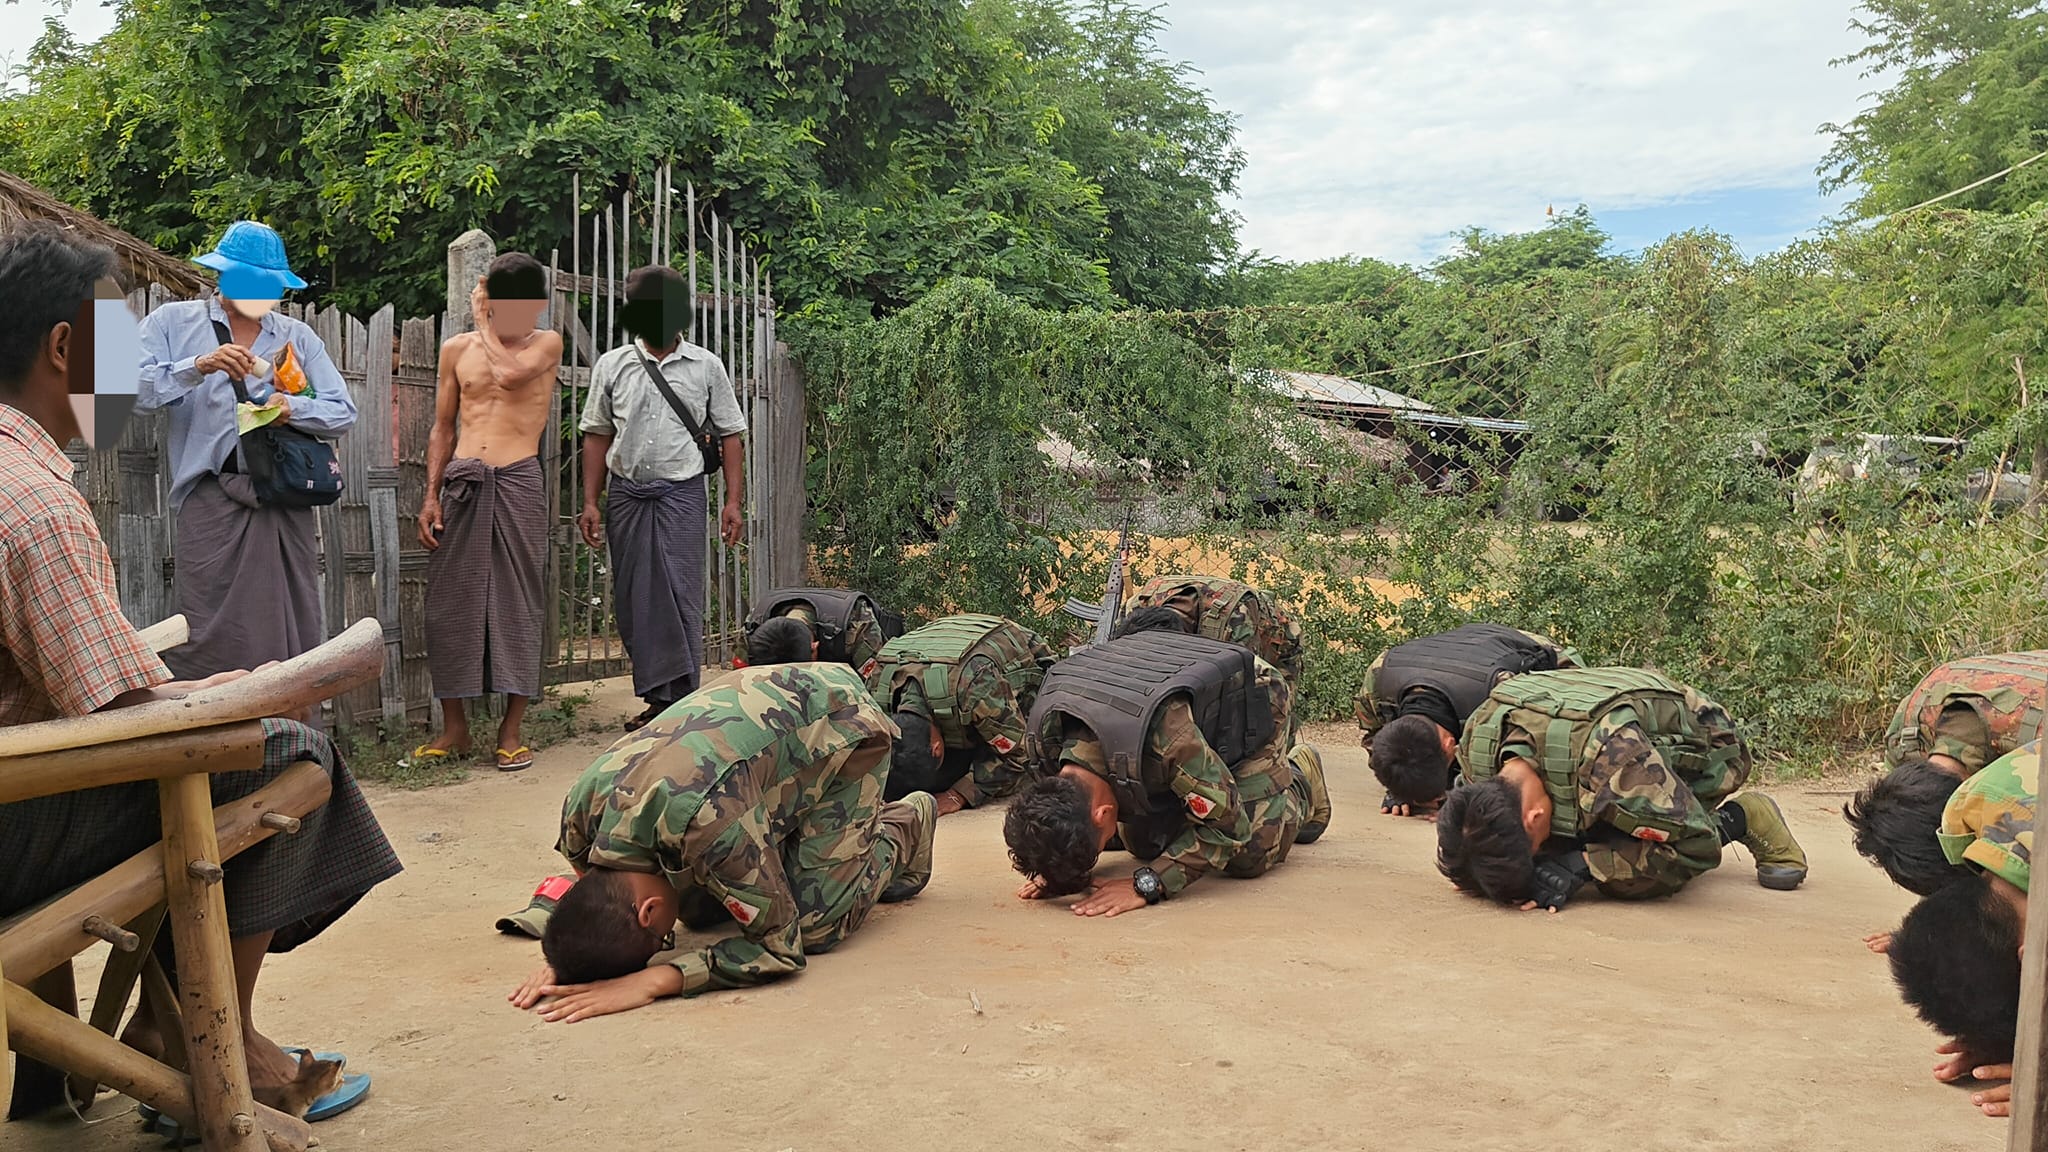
{"type": "Point", "coordinates": [502, 394]}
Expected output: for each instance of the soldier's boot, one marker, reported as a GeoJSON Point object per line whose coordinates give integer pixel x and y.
{"type": "Point", "coordinates": [1308, 772]}
{"type": "Point", "coordinates": [1780, 861]}
{"type": "Point", "coordinates": [916, 816]}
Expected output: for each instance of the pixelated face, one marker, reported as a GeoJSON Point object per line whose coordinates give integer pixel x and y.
{"type": "Point", "coordinates": [248, 292]}
{"type": "Point", "coordinates": [515, 319]}
{"type": "Point", "coordinates": [102, 365]}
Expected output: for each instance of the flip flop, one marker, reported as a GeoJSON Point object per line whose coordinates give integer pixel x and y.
{"type": "Point", "coordinates": [423, 755]}
{"type": "Point", "coordinates": [359, 1082]}
{"type": "Point", "coordinates": [516, 759]}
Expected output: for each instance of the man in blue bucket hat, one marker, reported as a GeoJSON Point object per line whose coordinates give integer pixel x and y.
{"type": "Point", "coordinates": [246, 571]}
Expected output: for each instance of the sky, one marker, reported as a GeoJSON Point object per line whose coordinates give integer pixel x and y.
{"type": "Point", "coordinates": [1384, 127]}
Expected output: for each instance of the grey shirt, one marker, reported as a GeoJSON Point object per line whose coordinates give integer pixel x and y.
{"type": "Point", "coordinates": [649, 441]}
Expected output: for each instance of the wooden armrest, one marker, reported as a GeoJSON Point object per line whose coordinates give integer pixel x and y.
{"type": "Point", "coordinates": [350, 660]}
{"type": "Point", "coordinates": [166, 634]}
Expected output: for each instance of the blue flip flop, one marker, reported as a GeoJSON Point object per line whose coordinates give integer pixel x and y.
{"type": "Point", "coordinates": [151, 1118]}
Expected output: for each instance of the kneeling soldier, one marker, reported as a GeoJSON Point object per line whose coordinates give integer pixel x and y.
{"type": "Point", "coordinates": [959, 690]}
{"type": "Point", "coordinates": [1612, 775]}
{"type": "Point", "coordinates": [1178, 744]}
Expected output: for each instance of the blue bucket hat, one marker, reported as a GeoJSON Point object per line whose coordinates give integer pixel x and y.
{"type": "Point", "coordinates": [251, 262]}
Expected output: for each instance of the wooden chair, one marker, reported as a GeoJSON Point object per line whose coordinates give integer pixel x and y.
{"type": "Point", "coordinates": [179, 744]}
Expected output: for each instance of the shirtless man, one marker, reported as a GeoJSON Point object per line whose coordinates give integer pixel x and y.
{"type": "Point", "coordinates": [484, 521]}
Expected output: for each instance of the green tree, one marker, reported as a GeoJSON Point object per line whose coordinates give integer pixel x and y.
{"type": "Point", "coordinates": [869, 149]}
{"type": "Point", "coordinates": [1258, 280]}
{"type": "Point", "coordinates": [1969, 96]}
{"type": "Point", "coordinates": [1571, 242]}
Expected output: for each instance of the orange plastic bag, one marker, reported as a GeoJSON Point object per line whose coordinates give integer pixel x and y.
{"type": "Point", "coordinates": [291, 379]}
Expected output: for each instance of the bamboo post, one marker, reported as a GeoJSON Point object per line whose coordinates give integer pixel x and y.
{"type": "Point", "coordinates": [226, 1110]}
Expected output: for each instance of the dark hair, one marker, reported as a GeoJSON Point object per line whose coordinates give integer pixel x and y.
{"type": "Point", "coordinates": [46, 276]}
{"type": "Point", "coordinates": [1408, 757]}
{"type": "Point", "coordinates": [657, 304]}
{"type": "Point", "coordinates": [516, 276]}
{"type": "Point", "coordinates": [1896, 818]}
{"type": "Point", "coordinates": [912, 767]}
{"type": "Point", "coordinates": [779, 640]}
{"type": "Point", "coordinates": [595, 933]}
{"type": "Point", "coordinates": [1481, 844]}
{"type": "Point", "coordinates": [1157, 618]}
{"type": "Point", "coordinates": [1050, 835]}
{"type": "Point", "coordinates": [1956, 960]}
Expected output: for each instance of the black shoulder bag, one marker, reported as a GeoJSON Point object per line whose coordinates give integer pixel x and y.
{"type": "Point", "coordinates": [711, 447]}
{"type": "Point", "coordinates": [289, 468]}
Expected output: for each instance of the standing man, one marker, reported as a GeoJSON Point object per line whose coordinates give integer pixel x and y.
{"type": "Point", "coordinates": [639, 449]}
{"type": "Point", "coordinates": [247, 573]}
{"type": "Point", "coordinates": [485, 519]}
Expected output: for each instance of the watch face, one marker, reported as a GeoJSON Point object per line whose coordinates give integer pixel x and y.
{"type": "Point", "coordinates": [1147, 883]}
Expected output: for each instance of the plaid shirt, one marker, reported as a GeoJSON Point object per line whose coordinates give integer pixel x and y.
{"type": "Point", "coordinates": [65, 647]}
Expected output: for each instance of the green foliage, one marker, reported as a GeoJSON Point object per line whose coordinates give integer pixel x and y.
{"type": "Point", "coordinates": [1966, 100]}
{"type": "Point", "coordinates": [868, 149]}
{"type": "Point", "coordinates": [1259, 280]}
{"type": "Point", "coordinates": [1568, 243]}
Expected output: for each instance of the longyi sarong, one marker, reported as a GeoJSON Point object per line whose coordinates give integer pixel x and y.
{"type": "Point", "coordinates": [656, 530]}
{"type": "Point", "coordinates": [247, 578]}
{"type": "Point", "coordinates": [484, 581]}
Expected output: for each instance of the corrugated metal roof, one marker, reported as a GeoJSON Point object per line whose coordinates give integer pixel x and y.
{"type": "Point", "coordinates": [1321, 388]}
{"type": "Point", "coordinates": [1446, 420]}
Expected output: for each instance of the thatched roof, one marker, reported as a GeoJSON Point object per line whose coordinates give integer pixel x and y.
{"type": "Point", "coordinates": [21, 201]}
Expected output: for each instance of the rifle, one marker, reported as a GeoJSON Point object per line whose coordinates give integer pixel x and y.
{"type": "Point", "coordinates": [1105, 615]}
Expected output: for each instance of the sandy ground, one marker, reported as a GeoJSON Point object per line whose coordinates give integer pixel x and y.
{"type": "Point", "coordinates": [1348, 1000]}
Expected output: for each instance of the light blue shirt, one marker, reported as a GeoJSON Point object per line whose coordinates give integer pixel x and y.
{"type": "Point", "coordinates": [202, 406]}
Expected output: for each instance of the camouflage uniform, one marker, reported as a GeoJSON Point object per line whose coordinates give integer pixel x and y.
{"type": "Point", "coordinates": [1233, 612]}
{"type": "Point", "coordinates": [1240, 819]}
{"type": "Point", "coordinates": [1974, 709]}
{"type": "Point", "coordinates": [1368, 717]}
{"type": "Point", "coordinates": [989, 710]}
{"type": "Point", "coordinates": [765, 792]}
{"type": "Point", "coordinates": [1989, 821]}
{"type": "Point", "coordinates": [864, 637]}
{"type": "Point", "coordinates": [1646, 827]}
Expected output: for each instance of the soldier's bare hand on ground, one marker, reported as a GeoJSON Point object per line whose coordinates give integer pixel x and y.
{"type": "Point", "coordinates": [949, 803]}
{"type": "Point", "coordinates": [430, 524]}
{"type": "Point", "coordinates": [573, 1002]}
{"type": "Point", "coordinates": [238, 362]}
{"type": "Point", "coordinates": [1878, 942]}
{"type": "Point", "coordinates": [529, 993]}
{"type": "Point", "coordinates": [1032, 889]}
{"type": "Point", "coordinates": [590, 522]}
{"type": "Point", "coordinates": [1531, 906]}
{"type": "Point", "coordinates": [1113, 899]}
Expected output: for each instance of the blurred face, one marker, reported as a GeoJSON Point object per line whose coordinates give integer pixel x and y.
{"type": "Point", "coordinates": [515, 319]}
{"type": "Point", "coordinates": [247, 293]}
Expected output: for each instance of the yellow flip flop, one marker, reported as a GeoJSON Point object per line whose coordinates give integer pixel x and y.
{"type": "Point", "coordinates": [422, 755]}
{"type": "Point", "coordinates": [516, 759]}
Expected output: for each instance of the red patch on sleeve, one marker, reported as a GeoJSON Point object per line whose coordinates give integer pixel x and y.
{"type": "Point", "coordinates": [741, 911]}
{"type": "Point", "coordinates": [555, 886]}
{"type": "Point", "coordinates": [1653, 835]}
{"type": "Point", "coordinates": [1002, 745]}
{"type": "Point", "coordinates": [1200, 805]}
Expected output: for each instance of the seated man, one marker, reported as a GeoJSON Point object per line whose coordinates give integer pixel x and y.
{"type": "Point", "coordinates": [66, 650]}
{"type": "Point", "coordinates": [1956, 958]}
{"type": "Point", "coordinates": [846, 625]}
{"type": "Point", "coordinates": [1962, 716]}
{"type": "Point", "coordinates": [1417, 697]}
{"type": "Point", "coordinates": [764, 792]}
{"type": "Point", "coordinates": [1613, 775]}
{"type": "Point", "coordinates": [1175, 743]}
{"type": "Point", "coordinates": [1233, 612]}
{"type": "Point", "coordinates": [960, 690]}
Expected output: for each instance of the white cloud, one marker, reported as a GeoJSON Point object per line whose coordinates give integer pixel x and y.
{"type": "Point", "coordinates": [1382, 128]}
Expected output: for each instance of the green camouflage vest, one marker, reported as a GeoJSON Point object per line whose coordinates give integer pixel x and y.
{"type": "Point", "coordinates": [2006, 689]}
{"type": "Point", "coordinates": [1560, 710]}
{"type": "Point", "coordinates": [931, 657]}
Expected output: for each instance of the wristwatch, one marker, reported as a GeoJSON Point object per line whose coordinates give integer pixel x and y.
{"type": "Point", "coordinates": [1149, 885]}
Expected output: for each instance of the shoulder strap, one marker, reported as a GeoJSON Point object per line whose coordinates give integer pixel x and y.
{"type": "Point", "coordinates": [674, 401]}
{"type": "Point", "coordinates": [221, 333]}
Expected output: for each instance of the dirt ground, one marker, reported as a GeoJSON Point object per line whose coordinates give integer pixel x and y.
{"type": "Point", "coordinates": [1348, 1000]}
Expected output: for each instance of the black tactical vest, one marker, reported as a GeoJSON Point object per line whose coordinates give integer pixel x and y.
{"type": "Point", "coordinates": [1464, 664]}
{"type": "Point", "coordinates": [834, 609]}
{"type": "Point", "coordinates": [1117, 690]}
